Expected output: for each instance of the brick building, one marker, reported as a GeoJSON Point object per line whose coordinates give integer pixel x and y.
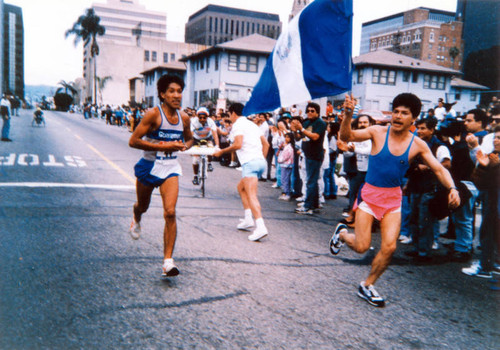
{"type": "Point", "coordinates": [426, 34]}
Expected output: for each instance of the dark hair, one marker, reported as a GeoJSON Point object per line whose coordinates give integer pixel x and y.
{"type": "Point", "coordinates": [292, 138]}
{"type": "Point", "coordinates": [356, 121]}
{"type": "Point", "coordinates": [430, 123]}
{"type": "Point", "coordinates": [479, 116]}
{"type": "Point", "coordinates": [165, 81]}
{"type": "Point", "coordinates": [410, 101]}
{"type": "Point", "coordinates": [497, 128]}
{"type": "Point", "coordinates": [236, 108]}
{"type": "Point", "coordinates": [455, 128]}
{"type": "Point", "coordinates": [313, 105]}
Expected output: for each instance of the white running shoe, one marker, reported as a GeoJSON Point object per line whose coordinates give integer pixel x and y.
{"type": "Point", "coordinates": [135, 229]}
{"type": "Point", "coordinates": [405, 239]}
{"type": "Point", "coordinates": [258, 234]}
{"type": "Point", "coordinates": [300, 199]}
{"type": "Point", "coordinates": [245, 224]}
{"type": "Point", "coordinates": [169, 269]}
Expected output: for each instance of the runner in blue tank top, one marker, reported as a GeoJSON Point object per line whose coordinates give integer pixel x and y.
{"type": "Point", "coordinates": [162, 132]}
{"type": "Point", "coordinates": [393, 147]}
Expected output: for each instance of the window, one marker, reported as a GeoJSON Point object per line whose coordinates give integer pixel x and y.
{"type": "Point", "coordinates": [243, 63]}
{"type": "Point", "coordinates": [457, 95]}
{"type": "Point", "coordinates": [146, 55]}
{"type": "Point", "coordinates": [165, 57]}
{"type": "Point", "coordinates": [406, 76]}
{"type": "Point", "coordinates": [233, 62]}
{"type": "Point", "coordinates": [360, 76]}
{"type": "Point", "coordinates": [473, 95]}
{"type": "Point", "coordinates": [172, 57]}
{"type": "Point", "coordinates": [429, 56]}
{"type": "Point", "coordinates": [232, 26]}
{"type": "Point", "coordinates": [375, 76]}
{"type": "Point", "coordinates": [216, 57]}
{"type": "Point", "coordinates": [414, 77]}
{"type": "Point", "coordinates": [215, 24]}
{"type": "Point", "coordinates": [430, 46]}
{"type": "Point", "coordinates": [384, 76]}
{"type": "Point", "coordinates": [435, 82]}
{"type": "Point", "coordinates": [431, 37]}
{"type": "Point", "coordinates": [253, 28]}
{"type": "Point", "coordinates": [202, 63]}
{"type": "Point", "coordinates": [153, 56]}
{"type": "Point", "coordinates": [208, 63]}
{"type": "Point", "coordinates": [196, 98]}
{"type": "Point", "coordinates": [210, 24]}
{"type": "Point", "coordinates": [237, 27]}
{"type": "Point", "coordinates": [440, 38]}
{"type": "Point", "coordinates": [210, 40]}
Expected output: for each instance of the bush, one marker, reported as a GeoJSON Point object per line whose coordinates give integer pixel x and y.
{"type": "Point", "coordinates": [63, 101]}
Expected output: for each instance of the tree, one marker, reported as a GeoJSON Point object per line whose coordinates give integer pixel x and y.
{"type": "Point", "coordinates": [454, 52]}
{"type": "Point", "coordinates": [67, 87]}
{"type": "Point", "coordinates": [87, 28]}
{"type": "Point", "coordinates": [62, 101]}
{"type": "Point", "coordinates": [101, 83]}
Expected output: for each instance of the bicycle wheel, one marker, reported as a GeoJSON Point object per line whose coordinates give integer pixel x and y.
{"type": "Point", "coordinates": [203, 175]}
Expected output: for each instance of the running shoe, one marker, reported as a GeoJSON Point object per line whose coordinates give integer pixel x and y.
{"type": "Point", "coordinates": [210, 168]}
{"type": "Point", "coordinates": [303, 210]}
{"type": "Point", "coordinates": [405, 239]}
{"type": "Point", "coordinates": [477, 271]}
{"type": "Point", "coordinates": [335, 242]}
{"type": "Point", "coordinates": [245, 224]}
{"type": "Point", "coordinates": [258, 234]}
{"type": "Point", "coordinates": [370, 295]}
{"type": "Point", "coordinates": [195, 180]}
{"type": "Point", "coordinates": [169, 268]}
{"type": "Point", "coordinates": [135, 229]}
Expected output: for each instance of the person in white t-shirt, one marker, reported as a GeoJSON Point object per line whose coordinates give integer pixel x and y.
{"type": "Point", "coordinates": [251, 147]}
{"type": "Point", "coordinates": [440, 111]}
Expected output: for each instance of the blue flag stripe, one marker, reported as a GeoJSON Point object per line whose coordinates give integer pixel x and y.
{"type": "Point", "coordinates": [327, 47]}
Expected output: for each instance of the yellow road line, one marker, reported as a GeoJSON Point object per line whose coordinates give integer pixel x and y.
{"type": "Point", "coordinates": [78, 137]}
{"type": "Point", "coordinates": [117, 168]}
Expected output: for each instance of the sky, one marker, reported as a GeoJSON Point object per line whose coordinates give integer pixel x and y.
{"type": "Point", "coordinates": [50, 57]}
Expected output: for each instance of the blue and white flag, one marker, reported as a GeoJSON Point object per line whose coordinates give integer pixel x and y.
{"type": "Point", "coordinates": [311, 59]}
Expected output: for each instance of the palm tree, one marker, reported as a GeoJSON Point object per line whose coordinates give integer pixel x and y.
{"type": "Point", "coordinates": [87, 28]}
{"type": "Point", "coordinates": [101, 83]}
{"type": "Point", "coordinates": [68, 86]}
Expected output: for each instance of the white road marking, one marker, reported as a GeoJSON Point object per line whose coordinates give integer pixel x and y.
{"type": "Point", "coordinates": [63, 184]}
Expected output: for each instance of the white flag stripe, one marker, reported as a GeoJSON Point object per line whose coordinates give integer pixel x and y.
{"type": "Point", "coordinates": [287, 66]}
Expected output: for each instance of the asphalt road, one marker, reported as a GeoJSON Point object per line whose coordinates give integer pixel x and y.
{"type": "Point", "coordinates": [71, 277]}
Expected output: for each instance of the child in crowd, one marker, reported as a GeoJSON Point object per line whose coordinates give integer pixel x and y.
{"type": "Point", "coordinates": [285, 160]}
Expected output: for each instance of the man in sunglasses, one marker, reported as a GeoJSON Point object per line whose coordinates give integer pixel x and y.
{"type": "Point", "coordinates": [204, 132]}
{"type": "Point", "coordinates": [312, 132]}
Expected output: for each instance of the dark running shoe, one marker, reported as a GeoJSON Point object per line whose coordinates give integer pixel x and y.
{"type": "Point", "coordinates": [195, 180]}
{"type": "Point", "coordinates": [370, 295]}
{"type": "Point", "coordinates": [210, 168]}
{"type": "Point", "coordinates": [335, 243]}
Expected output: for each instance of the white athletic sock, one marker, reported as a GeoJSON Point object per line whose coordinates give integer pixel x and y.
{"type": "Point", "coordinates": [260, 223]}
{"type": "Point", "coordinates": [248, 214]}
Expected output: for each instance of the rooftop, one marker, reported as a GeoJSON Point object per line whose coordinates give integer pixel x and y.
{"type": "Point", "coordinates": [171, 65]}
{"type": "Point", "coordinates": [251, 43]}
{"type": "Point", "coordinates": [235, 12]}
{"type": "Point", "coordinates": [391, 59]}
{"type": "Point", "coordinates": [457, 82]}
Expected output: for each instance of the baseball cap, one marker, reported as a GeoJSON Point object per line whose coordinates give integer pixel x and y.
{"type": "Point", "coordinates": [202, 110]}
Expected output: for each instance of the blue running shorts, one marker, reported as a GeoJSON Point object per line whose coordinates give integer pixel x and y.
{"type": "Point", "coordinates": [254, 168]}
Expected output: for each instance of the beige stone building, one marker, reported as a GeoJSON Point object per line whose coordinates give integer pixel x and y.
{"type": "Point", "coordinates": [135, 41]}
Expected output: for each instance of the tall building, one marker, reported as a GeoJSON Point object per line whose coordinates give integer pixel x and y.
{"type": "Point", "coordinates": [13, 51]}
{"type": "Point", "coordinates": [426, 34]}
{"type": "Point", "coordinates": [481, 36]}
{"type": "Point", "coordinates": [298, 5]}
{"type": "Point", "coordinates": [121, 18]}
{"type": "Point", "coordinates": [134, 42]}
{"type": "Point", "coordinates": [215, 24]}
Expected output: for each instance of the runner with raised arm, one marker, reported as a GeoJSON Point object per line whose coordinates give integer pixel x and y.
{"type": "Point", "coordinates": [393, 147]}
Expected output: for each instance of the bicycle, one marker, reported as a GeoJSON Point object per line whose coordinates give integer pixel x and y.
{"type": "Point", "coordinates": [38, 118]}
{"type": "Point", "coordinates": [203, 152]}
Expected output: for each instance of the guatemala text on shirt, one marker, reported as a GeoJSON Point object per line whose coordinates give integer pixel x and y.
{"type": "Point", "coordinates": [311, 59]}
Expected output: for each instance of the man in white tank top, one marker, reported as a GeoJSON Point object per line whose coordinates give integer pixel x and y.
{"type": "Point", "coordinates": [162, 132]}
